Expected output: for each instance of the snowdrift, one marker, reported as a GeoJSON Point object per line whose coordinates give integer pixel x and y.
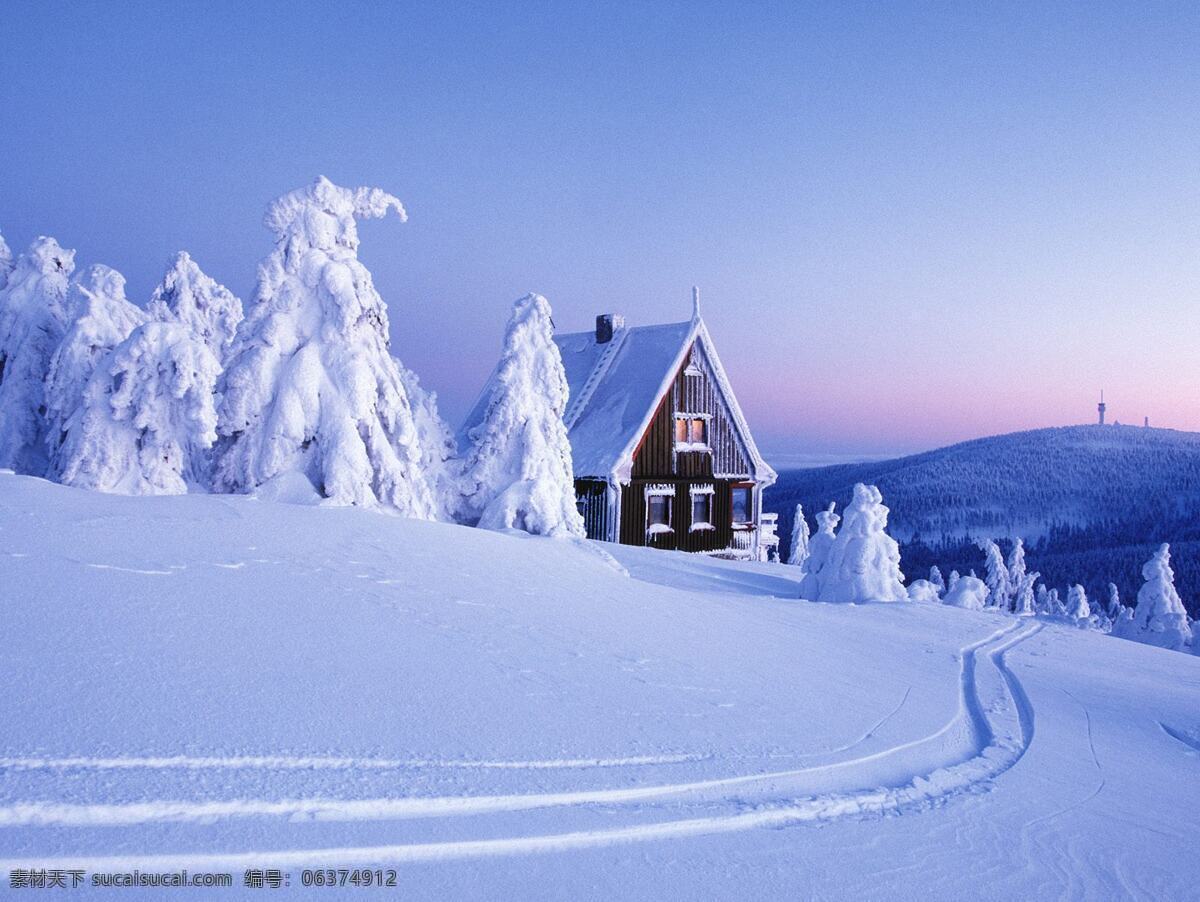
{"type": "Point", "coordinates": [222, 682]}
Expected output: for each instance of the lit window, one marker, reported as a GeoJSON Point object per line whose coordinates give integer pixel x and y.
{"type": "Point", "coordinates": [742, 508]}
{"type": "Point", "coordinates": [681, 431]}
{"type": "Point", "coordinates": [691, 430]}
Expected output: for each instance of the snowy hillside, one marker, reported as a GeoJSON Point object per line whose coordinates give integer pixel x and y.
{"type": "Point", "coordinates": [219, 683]}
{"type": "Point", "coordinates": [1091, 501]}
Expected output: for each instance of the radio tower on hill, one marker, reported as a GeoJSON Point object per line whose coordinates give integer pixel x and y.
{"type": "Point", "coordinates": [1100, 407]}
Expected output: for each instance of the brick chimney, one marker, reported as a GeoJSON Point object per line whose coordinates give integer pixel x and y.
{"type": "Point", "coordinates": [606, 325]}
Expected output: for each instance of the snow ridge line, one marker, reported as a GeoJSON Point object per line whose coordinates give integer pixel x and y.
{"type": "Point", "coordinates": [322, 762]}
{"type": "Point", "coordinates": [959, 770]}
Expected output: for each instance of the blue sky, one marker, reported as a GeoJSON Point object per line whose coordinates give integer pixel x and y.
{"type": "Point", "coordinates": [911, 224]}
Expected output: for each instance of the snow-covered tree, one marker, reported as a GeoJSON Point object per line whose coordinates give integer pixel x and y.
{"type": "Point", "coordinates": [864, 561]}
{"type": "Point", "coordinates": [1114, 603]}
{"type": "Point", "coordinates": [100, 319]}
{"type": "Point", "coordinates": [6, 262]}
{"type": "Point", "coordinates": [997, 576]}
{"type": "Point", "coordinates": [147, 416]}
{"type": "Point", "coordinates": [924, 591]}
{"type": "Point", "coordinates": [968, 592]}
{"type": "Point", "coordinates": [518, 472]}
{"type": "Point", "coordinates": [209, 310]}
{"type": "Point", "coordinates": [439, 453]}
{"type": "Point", "coordinates": [819, 546]}
{"type": "Point", "coordinates": [1054, 607]}
{"type": "Point", "coordinates": [935, 577]}
{"type": "Point", "coordinates": [1160, 618]}
{"type": "Point", "coordinates": [1024, 598]}
{"type": "Point", "coordinates": [954, 578]}
{"type": "Point", "coordinates": [1016, 570]}
{"type": "Point", "coordinates": [1078, 608]}
{"type": "Point", "coordinates": [800, 536]}
{"type": "Point", "coordinates": [33, 316]}
{"type": "Point", "coordinates": [310, 386]}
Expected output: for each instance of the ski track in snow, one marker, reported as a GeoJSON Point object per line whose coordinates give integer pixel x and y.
{"type": "Point", "coordinates": [976, 746]}
{"type": "Point", "coordinates": [319, 762]}
{"type": "Point", "coordinates": [133, 570]}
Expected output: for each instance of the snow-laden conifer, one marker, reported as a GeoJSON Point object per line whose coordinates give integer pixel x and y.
{"type": "Point", "coordinates": [1016, 570]}
{"type": "Point", "coordinates": [1054, 607]}
{"type": "Point", "coordinates": [518, 471]}
{"type": "Point", "coordinates": [310, 386]}
{"type": "Point", "coordinates": [33, 316]}
{"type": "Point", "coordinates": [209, 310]}
{"type": "Point", "coordinates": [439, 454]}
{"type": "Point", "coordinates": [100, 319]}
{"type": "Point", "coordinates": [1078, 608]}
{"type": "Point", "coordinates": [952, 580]}
{"type": "Point", "coordinates": [147, 416]}
{"type": "Point", "coordinates": [864, 561]}
{"type": "Point", "coordinates": [6, 262]}
{"type": "Point", "coordinates": [1024, 597]}
{"type": "Point", "coordinates": [997, 576]}
{"type": "Point", "coordinates": [1114, 603]}
{"type": "Point", "coordinates": [935, 577]}
{"type": "Point", "coordinates": [819, 546]}
{"type": "Point", "coordinates": [798, 554]}
{"type": "Point", "coordinates": [1160, 617]}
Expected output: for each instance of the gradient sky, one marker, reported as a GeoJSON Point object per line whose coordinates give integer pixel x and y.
{"type": "Point", "coordinates": [911, 224]}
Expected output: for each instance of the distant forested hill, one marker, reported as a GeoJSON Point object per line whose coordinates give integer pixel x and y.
{"type": "Point", "coordinates": [1091, 502]}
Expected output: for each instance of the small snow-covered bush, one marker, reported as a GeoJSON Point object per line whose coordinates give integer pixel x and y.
{"type": "Point", "coordinates": [33, 318]}
{"type": "Point", "coordinates": [864, 561]}
{"type": "Point", "coordinates": [518, 471]}
{"type": "Point", "coordinates": [922, 590]}
{"type": "Point", "coordinates": [967, 592]}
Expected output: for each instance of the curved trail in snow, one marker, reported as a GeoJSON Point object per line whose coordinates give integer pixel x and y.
{"type": "Point", "coordinates": [327, 762]}
{"type": "Point", "coordinates": [988, 734]}
{"type": "Point", "coordinates": [965, 736]}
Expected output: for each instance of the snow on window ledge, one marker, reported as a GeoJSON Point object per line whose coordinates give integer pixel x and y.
{"type": "Point", "coordinates": [701, 527]}
{"type": "Point", "coordinates": [692, 446]}
{"type": "Point", "coordinates": [660, 488]}
{"type": "Point", "coordinates": [658, 529]}
{"type": "Point", "coordinates": [702, 490]}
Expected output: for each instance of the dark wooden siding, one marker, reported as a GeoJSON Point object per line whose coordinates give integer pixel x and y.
{"type": "Point", "coordinates": [633, 516]}
{"type": "Point", "coordinates": [655, 458]}
{"type": "Point", "coordinates": [592, 500]}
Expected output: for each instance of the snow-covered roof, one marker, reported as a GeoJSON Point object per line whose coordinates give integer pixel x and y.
{"type": "Point", "coordinates": [616, 388]}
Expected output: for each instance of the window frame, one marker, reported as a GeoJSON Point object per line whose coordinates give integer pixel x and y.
{"type": "Point", "coordinates": [748, 488]}
{"type": "Point", "coordinates": [695, 494]}
{"type": "Point", "coordinates": [688, 421]}
{"type": "Point", "coordinates": [666, 492]}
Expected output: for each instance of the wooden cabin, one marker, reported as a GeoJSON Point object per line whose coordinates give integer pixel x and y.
{"type": "Point", "coordinates": [662, 453]}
